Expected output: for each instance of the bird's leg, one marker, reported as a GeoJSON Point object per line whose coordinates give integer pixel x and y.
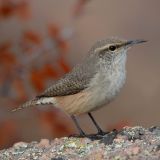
{"type": "Point", "coordinates": [81, 132]}
{"type": "Point", "coordinates": [100, 131]}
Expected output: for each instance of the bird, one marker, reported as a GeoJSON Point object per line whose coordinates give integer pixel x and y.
{"type": "Point", "coordinates": [91, 84]}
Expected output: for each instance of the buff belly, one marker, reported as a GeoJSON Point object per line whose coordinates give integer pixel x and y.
{"type": "Point", "coordinates": [75, 104]}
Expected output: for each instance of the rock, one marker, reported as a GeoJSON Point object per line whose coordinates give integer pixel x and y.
{"type": "Point", "coordinates": [130, 143]}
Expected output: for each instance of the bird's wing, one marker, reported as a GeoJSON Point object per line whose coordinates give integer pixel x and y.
{"type": "Point", "coordinates": [72, 83]}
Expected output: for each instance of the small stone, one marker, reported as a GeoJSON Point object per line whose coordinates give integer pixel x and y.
{"type": "Point", "coordinates": [43, 143]}
{"type": "Point", "coordinates": [135, 150]}
{"type": "Point", "coordinates": [20, 145]}
{"type": "Point", "coordinates": [120, 139]}
{"type": "Point", "coordinates": [72, 145]}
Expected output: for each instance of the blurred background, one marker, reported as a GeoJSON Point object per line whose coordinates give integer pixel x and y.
{"type": "Point", "coordinates": [42, 40]}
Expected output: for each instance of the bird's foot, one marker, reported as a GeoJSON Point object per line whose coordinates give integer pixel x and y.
{"type": "Point", "coordinates": [102, 133]}
{"type": "Point", "coordinates": [96, 136]}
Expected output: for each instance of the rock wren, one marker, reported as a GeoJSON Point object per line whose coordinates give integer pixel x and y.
{"type": "Point", "coordinates": [91, 84]}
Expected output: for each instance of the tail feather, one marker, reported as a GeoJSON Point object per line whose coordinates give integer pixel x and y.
{"type": "Point", "coordinates": [30, 103]}
{"type": "Point", "coordinates": [33, 102]}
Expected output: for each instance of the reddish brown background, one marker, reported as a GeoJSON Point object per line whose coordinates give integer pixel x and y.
{"type": "Point", "coordinates": [41, 40]}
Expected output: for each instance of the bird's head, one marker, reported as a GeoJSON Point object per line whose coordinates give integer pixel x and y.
{"type": "Point", "coordinates": [113, 49]}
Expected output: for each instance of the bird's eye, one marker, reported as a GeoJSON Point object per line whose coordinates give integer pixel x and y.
{"type": "Point", "coordinates": [112, 48]}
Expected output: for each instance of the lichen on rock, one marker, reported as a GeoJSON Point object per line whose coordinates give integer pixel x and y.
{"type": "Point", "coordinates": [128, 143]}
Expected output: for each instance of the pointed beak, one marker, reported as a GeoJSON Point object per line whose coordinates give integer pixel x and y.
{"type": "Point", "coordinates": [128, 44]}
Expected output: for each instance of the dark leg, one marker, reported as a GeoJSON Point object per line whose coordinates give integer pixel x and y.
{"type": "Point", "coordinates": [81, 132]}
{"type": "Point", "coordinates": [100, 131]}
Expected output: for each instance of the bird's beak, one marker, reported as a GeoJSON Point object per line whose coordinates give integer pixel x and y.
{"type": "Point", "coordinates": [129, 44]}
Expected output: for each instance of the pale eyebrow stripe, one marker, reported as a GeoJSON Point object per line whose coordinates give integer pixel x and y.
{"type": "Point", "coordinates": [106, 46]}
{"type": "Point", "coordinates": [102, 48]}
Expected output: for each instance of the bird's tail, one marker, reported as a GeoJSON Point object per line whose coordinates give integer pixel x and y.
{"type": "Point", "coordinates": [35, 101]}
